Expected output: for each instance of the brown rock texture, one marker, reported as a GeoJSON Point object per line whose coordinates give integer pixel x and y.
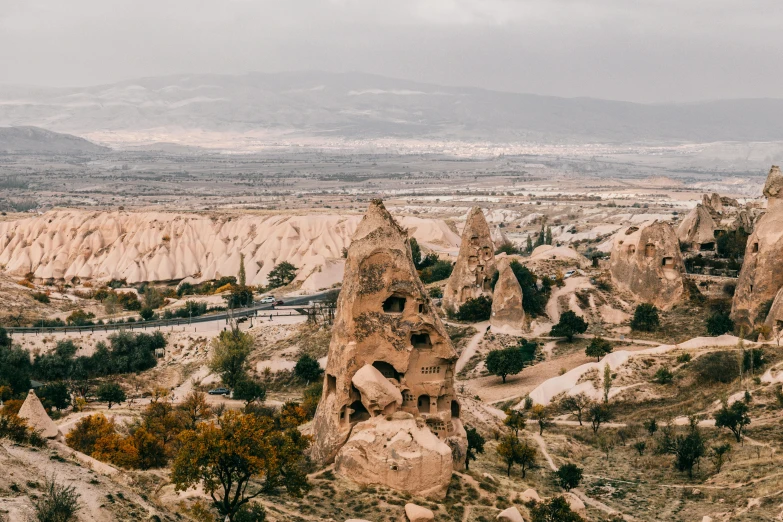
{"type": "Point", "coordinates": [508, 316]}
{"type": "Point", "coordinates": [34, 413]}
{"type": "Point", "coordinates": [646, 261]}
{"type": "Point", "coordinates": [773, 324]}
{"type": "Point", "coordinates": [475, 267]}
{"type": "Point", "coordinates": [714, 216]}
{"type": "Point", "coordinates": [385, 320]}
{"type": "Point", "coordinates": [762, 271]}
{"type": "Point", "coordinates": [697, 230]}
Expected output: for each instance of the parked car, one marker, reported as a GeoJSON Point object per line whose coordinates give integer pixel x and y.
{"type": "Point", "coordinates": [569, 274]}
{"type": "Point", "coordinates": [279, 303]}
{"type": "Point", "coordinates": [219, 391]}
{"type": "Point", "coordinates": [268, 300]}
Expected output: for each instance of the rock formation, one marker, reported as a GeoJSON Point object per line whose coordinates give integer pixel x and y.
{"type": "Point", "coordinates": [508, 316]}
{"type": "Point", "coordinates": [511, 514]}
{"type": "Point", "coordinates": [646, 261]}
{"type": "Point", "coordinates": [34, 413]}
{"type": "Point", "coordinates": [773, 324]}
{"type": "Point", "coordinates": [762, 270]}
{"type": "Point", "coordinates": [475, 267]}
{"type": "Point", "coordinates": [697, 230]}
{"type": "Point", "coordinates": [388, 413]}
{"type": "Point", "coordinates": [416, 513]}
{"type": "Point", "coordinates": [77, 245]}
{"type": "Point", "coordinates": [712, 217]}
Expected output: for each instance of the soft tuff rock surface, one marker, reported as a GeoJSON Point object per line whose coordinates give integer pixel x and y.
{"type": "Point", "coordinates": [475, 267]}
{"type": "Point", "coordinates": [418, 514]}
{"type": "Point", "coordinates": [698, 229]}
{"type": "Point", "coordinates": [385, 320]}
{"type": "Point", "coordinates": [714, 216]}
{"type": "Point", "coordinates": [511, 514]}
{"type": "Point", "coordinates": [163, 246]}
{"type": "Point", "coordinates": [508, 316]}
{"type": "Point", "coordinates": [400, 453]}
{"type": "Point", "coordinates": [762, 270]}
{"type": "Point", "coordinates": [646, 261]}
{"type": "Point", "coordinates": [34, 413]}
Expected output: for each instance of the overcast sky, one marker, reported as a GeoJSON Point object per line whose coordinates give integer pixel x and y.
{"type": "Point", "coordinates": [639, 50]}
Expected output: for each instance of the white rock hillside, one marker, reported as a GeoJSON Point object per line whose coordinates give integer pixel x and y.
{"type": "Point", "coordinates": [163, 246]}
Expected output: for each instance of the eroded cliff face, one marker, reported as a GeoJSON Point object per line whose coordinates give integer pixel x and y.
{"type": "Point", "coordinates": [762, 270]}
{"type": "Point", "coordinates": [389, 358]}
{"type": "Point", "coordinates": [646, 261]}
{"type": "Point", "coordinates": [475, 267]}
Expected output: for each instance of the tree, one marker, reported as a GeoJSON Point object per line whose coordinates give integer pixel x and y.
{"type": "Point", "coordinates": [195, 409]}
{"type": "Point", "coordinates": [534, 298]}
{"type": "Point", "coordinates": [15, 367]}
{"type": "Point", "coordinates": [510, 361]}
{"type": "Point", "coordinates": [510, 450]}
{"type": "Point", "coordinates": [515, 420]}
{"type": "Point", "coordinates": [475, 309]}
{"type": "Point", "coordinates": [556, 509]}
{"type": "Point", "coordinates": [569, 476]}
{"type": "Point", "coordinates": [242, 277]}
{"type": "Point", "coordinates": [598, 414]}
{"type": "Point", "coordinates": [55, 395]}
{"type": "Point", "coordinates": [718, 454]}
{"type": "Point", "coordinates": [607, 382]}
{"type": "Point", "coordinates": [719, 323]}
{"type": "Point", "coordinates": [645, 318]}
{"type": "Point", "coordinates": [80, 318]}
{"type": "Point", "coordinates": [688, 450]}
{"type": "Point", "coordinates": [540, 413]}
{"type": "Point", "coordinates": [230, 350]}
{"type": "Point", "coordinates": [112, 393]}
{"type": "Point", "coordinates": [147, 313]}
{"type": "Point", "coordinates": [640, 446]}
{"type": "Point", "coordinates": [651, 426]}
{"type": "Point", "coordinates": [475, 445]}
{"type": "Point", "coordinates": [569, 325]}
{"type": "Point", "coordinates": [281, 275]}
{"type": "Point", "coordinates": [249, 390]}
{"type": "Point", "coordinates": [598, 347]}
{"type": "Point", "coordinates": [526, 457]}
{"type": "Point", "coordinates": [57, 503]}
{"type": "Point", "coordinates": [223, 457]}
{"type": "Point", "coordinates": [734, 417]}
{"type": "Point", "coordinates": [575, 404]}
{"type": "Point", "coordinates": [548, 238]}
{"type": "Point", "coordinates": [415, 252]}
{"type": "Point", "coordinates": [307, 368]}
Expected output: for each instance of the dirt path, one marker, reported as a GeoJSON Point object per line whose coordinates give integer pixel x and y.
{"type": "Point", "coordinates": [472, 346]}
{"type": "Point", "coordinates": [572, 284]}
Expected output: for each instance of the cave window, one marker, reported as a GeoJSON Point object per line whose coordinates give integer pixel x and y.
{"type": "Point", "coordinates": [454, 409]}
{"type": "Point", "coordinates": [394, 305]}
{"type": "Point", "coordinates": [668, 262]}
{"type": "Point", "coordinates": [649, 250]}
{"type": "Point", "coordinates": [358, 411]}
{"type": "Point", "coordinates": [631, 230]}
{"type": "Point", "coordinates": [342, 413]}
{"type": "Point", "coordinates": [707, 246]}
{"type": "Point", "coordinates": [631, 249]}
{"type": "Point", "coordinates": [421, 340]}
{"type": "Point", "coordinates": [408, 397]}
{"type": "Point", "coordinates": [755, 248]}
{"type": "Point", "coordinates": [331, 384]}
{"type": "Point", "coordinates": [393, 467]}
{"type": "Point", "coordinates": [424, 404]}
{"type": "Point", "coordinates": [779, 325]}
{"type": "Point", "coordinates": [386, 369]}
{"type": "Point", "coordinates": [422, 308]}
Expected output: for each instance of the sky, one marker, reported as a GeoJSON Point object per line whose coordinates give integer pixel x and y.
{"type": "Point", "coordinates": [635, 50]}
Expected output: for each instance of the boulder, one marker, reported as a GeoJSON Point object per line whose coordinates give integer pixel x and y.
{"type": "Point", "coordinates": [762, 270]}
{"type": "Point", "coordinates": [376, 391]}
{"type": "Point", "coordinates": [34, 413]}
{"type": "Point", "coordinates": [389, 353]}
{"type": "Point", "coordinates": [418, 514]}
{"type": "Point", "coordinates": [706, 518]}
{"type": "Point", "coordinates": [646, 261]}
{"type": "Point", "coordinates": [475, 267]}
{"type": "Point", "coordinates": [574, 502]}
{"type": "Point", "coordinates": [530, 495]}
{"type": "Point", "coordinates": [511, 514]}
{"type": "Point", "coordinates": [401, 453]}
{"type": "Point", "coordinates": [508, 316]}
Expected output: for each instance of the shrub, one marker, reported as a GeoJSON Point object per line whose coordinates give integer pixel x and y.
{"type": "Point", "coordinates": [438, 271]}
{"type": "Point", "coordinates": [684, 358]}
{"type": "Point", "coordinates": [475, 310]}
{"type": "Point", "coordinates": [307, 368]}
{"type": "Point", "coordinates": [663, 376]}
{"type": "Point", "coordinates": [436, 292]}
{"type": "Point", "coordinates": [570, 325]}
{"type": "Point", "coordinates": [569, 476]}
{"type": "Point", "coordinates": [147, 313]}
{"type": "Point", "coordinates": [645, 318]}
{"type": "Point", "coordinates": [57, 503]}
{"type": "Point", "coordinates": [41, 297]}
{"type": "Point", "coordinates": [714, 367]}
{"type": "Point", "coordinates": [249, 390]}
{"type": "Point", "coordinates": [719, 323]}
{"type": "Point", "coordinates": [556, 509]}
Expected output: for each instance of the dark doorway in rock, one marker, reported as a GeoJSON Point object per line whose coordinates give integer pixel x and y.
{"type": "Point", "coordinates": [358, 412]}
{"type": "Point", "coordinates": [386, 369]}
{"type": "Point", "coordinates": [454, 409]}
{"type": "Point", "coordinates": [424, 404]}
{"type": "Point", "coordinates": [331, 384]}
{"type": "Point", "coordinates": [707, 246]}
{"type": "Point", "coordinates": [394, 305]}
{"type": "Point", "coordinates": [755, 248]}
{"type": "Point", "coordinates": [421, 340]}
{"type": "Point", "coordinates": [667, 262]}
{"type": "Point", "coordinates": [423, 308]}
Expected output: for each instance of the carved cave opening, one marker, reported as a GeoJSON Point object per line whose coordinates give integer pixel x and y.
{"type": "Point", "coordinates": [394, 305]}
{"type": "Point", "coordinates": [358, 412]}
{"type": "Point", "coordinates": [387, 370]}
{"type": "Point", "coordinates": [421, 340]}
{"type": "Point", "coordinates": [424, 404]}
{"type": "Point", "coordinates": [667, 262]}
{"type": "Point", "coordinates": [454, 409]}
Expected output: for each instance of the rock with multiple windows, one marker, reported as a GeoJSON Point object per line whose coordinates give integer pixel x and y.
{"type": "Point", "coordinates": [389, 386]}
{"type": "Point", "coordinates": [475, 267]}
{"type": "Point", "coordinates": [646, 261]}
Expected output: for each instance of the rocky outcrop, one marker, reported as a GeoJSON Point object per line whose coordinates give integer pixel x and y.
{"type": "Point", "coordinates": [508, 316]}
{"type": "Point", "coordinates": [34, 413]}
{"type": "Point", "coordinates": [78, 245]}
{"type": "Point", "coordinates": [762, 270]}
{"type": "Point", "coordinates": [385, 325]}
{"type": "Point", "coordinates": [511, 514]}
{"type": "Point", "coordinates": [715, 215]}
{"type": "Point", "coordinates": [646, 261]}
{"type": "Point", "coordinates": [773, 324]}
{"type": "Point", "coordinates": [475, 267]}
{"type": "Point", "coordinates": [416, 513]}
{"type": "Point", "coordinates": [697, 230]}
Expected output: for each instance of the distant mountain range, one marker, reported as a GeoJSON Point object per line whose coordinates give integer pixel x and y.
{"type": "Point", "coordinates": [355, 105]}
{"type": "Point", "coordinates": [42, 141]}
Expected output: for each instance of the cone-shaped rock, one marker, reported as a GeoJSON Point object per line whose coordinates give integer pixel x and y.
{"type": "Point", "coordinates": [472, 275]}
{"type": "Point", "coordinates": [697, 230]}
{"type": "Point", "coordinates": [762, 270]}
{"type": "Point", "coordinates": [34, 413]}
{"type": "Point", "coordinates": [646, 261]}
{"type": "Point", "coordinates": [508, 316]}
{"type": "Point", "coordinates": [384, 319]}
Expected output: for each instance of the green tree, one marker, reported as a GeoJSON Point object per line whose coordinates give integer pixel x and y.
{"type": "Point", "coordinates": [281, 275]}
{"type": "Point", "coordinates": [438, 270]}
{"type": "Point", "coordinates": [645, 318]}
{"type": "Point", "coordinates": [475, 309]}
{"type": "Point", "coordinates": [249, 390]}
{"type": "Point", "coordinates": [511, 360]}
{"type": "Point", "coordinates": [718, 455]}
{"type": "Point", "coordinates": [529, 245]}
{"type": "Point", "coordinates": [230, 350]}
{"type": "Point", "coordinates": [147, 313]}
{"type": "Point", "coordinates": [548, 239]}
{"type": "Point", "coordinates": [719, 323]}
{"type": "Point", "coordinates": [55, 395]}
{"type": "Point", "coordinates": [526, 457]}
{"type": "Point", "coordinates": [242, 277]}
{"type": "Point", "coordinates": [597, 414]}
{"type": "Point", "coordinates": [734, 417]}
{"type": "Point", "coordinates": [575, 404]}
{"type": "Point", "coordinates": [307, 368]}
{"type": "Point", "coordinates": [515, 420]}
{"type": "Point", "coordinates": [598, 347]}
{"type": "Point", "coordinates": [540, 414]}
{"type": "Point", "coordinates": [569, 325]}
{"type": "Point", "coordinates": [607, 381]}
{"type": "Point", "coordinates": [475, 445]}
{"type": "Point", "coordinates": [152, 298]}
{"type": "Point", "coordinates": [556, 509]}
{"type": "Point", "coordinates": [415, 252]}
{"type": "Point", "coordinates": [534, 299]}
{"type": "Point", "coordinates": [111, 392]}
{"type": "Point", "coordinates": [510, 451]}
{"type": "Point", "coordinates": [569, 476]}
{"type": "Point", "coordinates": [688, 450]}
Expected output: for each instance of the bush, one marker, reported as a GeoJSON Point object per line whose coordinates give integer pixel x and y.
{"type": "Point", "coordinates": [719, 323]}
{"type": "Point", "coordinates": [663, 376]}
{"type": "Point", "coordinates": [438, 271]}
{"type": "Point", "coordinates": [147, 313]}
{"type": "Point", "coordinates": [112, 393]}
{"type": "Point", "coordinates": [436, 292]}
{"type": "Point", "coordinates": [249, 390]}
{"type": "Point", "coordinates": [569, 476]}
{"type": "Point", "coordinates": [250, 513]}
{"type": "Point", "coordinates": [556, 509]}
{"type": "Point", "coordinates": [307, 368]}
{"type": "Point", "coordinates": [645, 318]}
{"type": "Point", "coordinates": [684, 358]}
{"type": "Point", "coordinates": [715, 367]}
{"type": "Point", "coordinates": [57, 503]}
{"type": "Point", "coordinates": [475, 310]}
{"type": "Point", "coordinates": [570, 325]}
{"type": "Point", "coordinates": [41, 297]}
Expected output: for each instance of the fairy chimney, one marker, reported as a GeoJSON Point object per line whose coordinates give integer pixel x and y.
{"type": "Point", "coordinates": [34, 413]}
{"type": "Point", "coordinates": [475, 267]}
{"type": "Point", "coordinates": [762, 270]}
{"type": "Point", "coordinates": [646, 261]}
{"type": "Point", "coordinates": [390, 362]}
{"type": "Point", "coordinates": [508, 316]}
